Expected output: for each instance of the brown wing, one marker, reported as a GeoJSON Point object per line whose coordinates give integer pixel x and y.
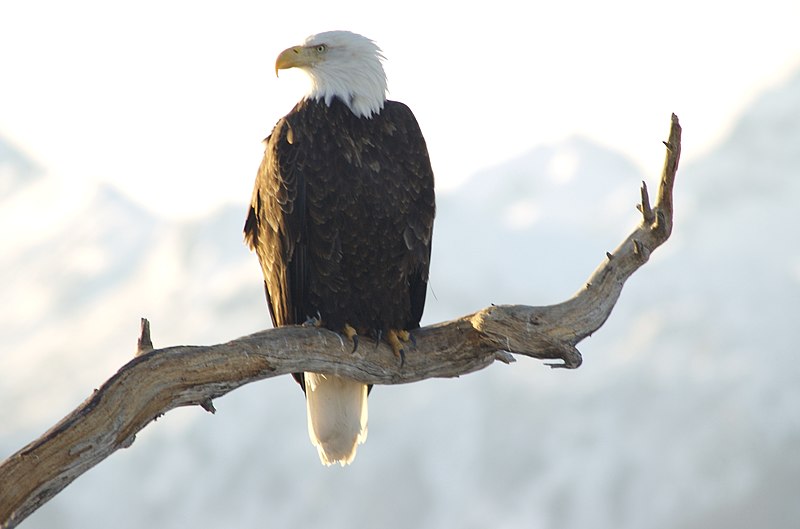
{"type": "Point", "coordinates": [409, 166]}
{"type": "Point", "coordinates": [275, 224]}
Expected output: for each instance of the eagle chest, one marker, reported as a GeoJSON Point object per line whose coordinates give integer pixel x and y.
{"type": "Point", "coordinates": [350, 184]}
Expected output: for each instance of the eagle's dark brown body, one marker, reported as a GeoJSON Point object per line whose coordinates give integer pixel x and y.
{"type": "Point", "coordinates": [342, 217]}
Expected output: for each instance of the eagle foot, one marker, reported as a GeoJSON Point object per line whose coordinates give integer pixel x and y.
{"type": "Point", "coordinates": [313, 321]}
{"type": "Point", "coordinates": [351, 334]}
{"type": "Point", "coordinates": [397, 338]}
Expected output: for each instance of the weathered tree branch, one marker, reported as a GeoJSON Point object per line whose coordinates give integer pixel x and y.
{"type": "Point", "coordinates": [156, 381]}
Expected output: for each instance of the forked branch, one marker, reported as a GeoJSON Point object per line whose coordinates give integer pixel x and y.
{"type": "Point", "coordinates": [156, 381]}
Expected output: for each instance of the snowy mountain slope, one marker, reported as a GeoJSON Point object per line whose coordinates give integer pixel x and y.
{"type": "Point", "coordinates": [552, 213]}
{"type": "Point", "coordinates": [16, 169]}
{"type": "Point", "coordinates": [683, 414]}
{"type": "Point", "coordinates": [75, 294]}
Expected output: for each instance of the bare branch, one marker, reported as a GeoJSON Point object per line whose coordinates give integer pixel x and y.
{"type": "Point", "coordinates": [644, 206]}
{"type": "Point", "coordinates": [144, 344]}
{"type": "Point", "coordinates": [157, 381]}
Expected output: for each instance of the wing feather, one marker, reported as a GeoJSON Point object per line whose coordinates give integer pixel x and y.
{"type": "Point", "coordinates": [274, 225]}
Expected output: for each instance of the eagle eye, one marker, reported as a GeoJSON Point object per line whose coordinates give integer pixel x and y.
{"type": "Point", "coordinates": [321, 48]}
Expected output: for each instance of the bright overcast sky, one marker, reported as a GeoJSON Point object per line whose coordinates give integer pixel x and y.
{"type": "Point", "coordinates": [169, 100]}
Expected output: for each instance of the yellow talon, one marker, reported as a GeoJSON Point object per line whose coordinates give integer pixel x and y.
{"type": "Point", "coordinates": [349, 331]}
{"type": "Point", "coordinates": [351, 334]}
{"type": "Point", "coordinates": [313, 321]}
{"type": "Point", "coordinates": [396, 338]}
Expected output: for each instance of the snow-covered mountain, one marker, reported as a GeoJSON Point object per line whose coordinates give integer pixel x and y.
{"type": "Point", "coordinates": [16, 169]}
{"type": "Point", "coordinates": [684, 414]}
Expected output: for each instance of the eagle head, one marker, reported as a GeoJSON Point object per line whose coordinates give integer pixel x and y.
{"type": "Point", "coordinates": [340, 64]}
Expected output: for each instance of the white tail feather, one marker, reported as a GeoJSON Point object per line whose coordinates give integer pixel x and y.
{"type": "Point", "coordinates": [337, 416]}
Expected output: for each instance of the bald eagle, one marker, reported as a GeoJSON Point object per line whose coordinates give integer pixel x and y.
{"type": "Point", "coordinates": [341, 219]}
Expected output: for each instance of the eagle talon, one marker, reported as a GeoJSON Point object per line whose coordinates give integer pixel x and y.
{"type": "Point", "coordinates": [396, 338]}
{"type": "Point", "coordinates": [352, 334]}
{"type": "Point", "coordinates": [313, 321]}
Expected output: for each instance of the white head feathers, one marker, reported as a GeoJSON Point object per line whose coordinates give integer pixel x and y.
{"type": "Point", "coordinates": [341, 64]}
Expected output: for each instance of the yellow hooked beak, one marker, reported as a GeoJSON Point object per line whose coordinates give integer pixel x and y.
{"type": "Point", "coordinates": [296, 57]}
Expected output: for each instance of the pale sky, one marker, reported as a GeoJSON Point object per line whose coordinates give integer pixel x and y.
{"type": "Point", "coordinates": [170, 100]}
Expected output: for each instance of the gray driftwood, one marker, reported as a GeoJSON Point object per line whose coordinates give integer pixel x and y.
{"type": "Point", "coordinates": [156, 381]}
